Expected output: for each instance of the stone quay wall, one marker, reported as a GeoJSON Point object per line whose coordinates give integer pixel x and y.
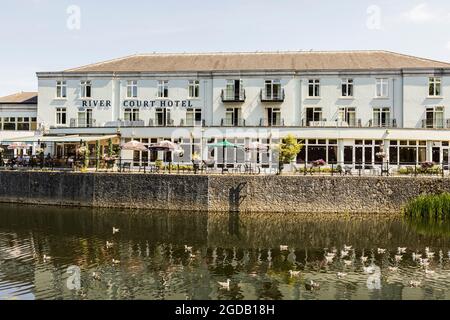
{"type": "Point", "coordinates": [271, 194]}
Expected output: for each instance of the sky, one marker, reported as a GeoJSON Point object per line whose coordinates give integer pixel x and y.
{"type": "Point", "coordinates": [53, 35]}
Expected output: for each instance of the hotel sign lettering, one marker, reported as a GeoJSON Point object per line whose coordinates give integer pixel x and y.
{"type": "Point", "coordinates": [139, 104]}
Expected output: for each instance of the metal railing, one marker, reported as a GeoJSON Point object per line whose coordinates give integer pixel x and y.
{"type": "Point", "coordinates": [272, 95]}
{"type": "Point", "coordinates": [383, 124]}
{"type": "Point", "coordinates": [232, 123]}
{"type": "Point", "coordinates": [233, 95]}
{"type": "Point", "coordinates": [435, 124]}
{"type": "Point", "coordinates": [267, 122]}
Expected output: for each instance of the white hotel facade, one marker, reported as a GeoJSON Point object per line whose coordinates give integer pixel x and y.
{"type": "Point", "coordinates": [345, 106]}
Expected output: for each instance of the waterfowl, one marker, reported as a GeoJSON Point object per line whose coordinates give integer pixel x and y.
{"type": "Point", "coordinates": [109, 245]}
{"type": "Point", "coordinates": [294, 273]}
{"type": "Point", "coordinates": [415, 284]}
{"type": "Point", "coordinates": [187, 249]}
{"type": "Point", "coordinates": [116, 230]}
{"type": "Point", "coordinates": [344, 253]}
{"type": "Point", "coordinates": [370, 269]}
{"type": "Point", "coordinates": [381, 251]}
{"type": "Point", "coordinates": [114, 261]}
{"type": "Point", "coordinates": [225, 285]}
{"type": "Point", "coordinates": [348, 262]}
{"type": "Point", "coordinates": [398, 258]}
{"type": "Point", "coordinates": [96, 276]}
{"type": "Point", "coordinates": [393, 269]}
{"type": "Point", "coordinates": [284, 248]}
{"type": "Point", "coordinates": [364, 259]}
{"type": "Point", "coordinates": [416, 256]}
{"type": "Point", "coordinates": [401, 250]}
{"type": "Point", "coordinates": [328, 259]}
{"type": "Point", "coordinates": [424, 262]}
{"type": "Point", "coordinates": [46, 258]}
{"type": "Point", "coordinates": [427, 271]}
{"type": "Point", "coordinates": [341, 275]}
{"type": "Point", "coordinates": [347, 248]}
{"type": "Point", "coordinates": [311, 285]}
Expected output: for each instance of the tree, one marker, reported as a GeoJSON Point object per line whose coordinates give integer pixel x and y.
{"type": "Point", "coordinates": [288, 150]}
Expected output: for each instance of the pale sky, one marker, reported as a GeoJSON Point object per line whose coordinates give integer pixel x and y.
{"type": "Point", "coordinates": [40, 35]}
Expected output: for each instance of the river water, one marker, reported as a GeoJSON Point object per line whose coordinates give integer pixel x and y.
{"type": "Point", "coordinates": [66, 253]}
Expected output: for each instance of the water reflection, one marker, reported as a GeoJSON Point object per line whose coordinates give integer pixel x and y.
{"type": "Point", "coordinates": [190, 256]}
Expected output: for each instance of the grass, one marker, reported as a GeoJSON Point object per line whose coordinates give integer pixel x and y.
{"type": "Point", "coordinates": [429, 207]}
{"type": "Point", "coordinates": [430, 214]}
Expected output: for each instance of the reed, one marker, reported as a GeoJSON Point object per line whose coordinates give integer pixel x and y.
{"type": "Point", "coordinates": [431, 208]}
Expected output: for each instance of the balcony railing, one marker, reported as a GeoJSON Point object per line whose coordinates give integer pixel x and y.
{"type": "Point", "coordinates": [75, 123]}
{"type": "Point", "coordinates": [232, 123]}
{"type": "Point", "coordinates": [233, 95]}
{"type": "Point", "coordinates": [383, 124]}
{"type": "Point", "coordinates": [272, 95]}
{"type": "Point", "coordinates": [192, 123]}
{"type": "Point", "coordinates": [271, 122]}
{"type": "Point", "coordinates": [435, 124]}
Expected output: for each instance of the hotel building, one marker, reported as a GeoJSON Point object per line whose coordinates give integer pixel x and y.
{"type": "Point", "coordinates": [345, 106]}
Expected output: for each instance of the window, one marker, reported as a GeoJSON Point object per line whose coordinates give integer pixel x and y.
{"type": "Point", "coordinates": [23, 124]}
{"type": "Point", "coordinates": [407, 152]}
{"type": "Point", "coordinates": [232, 117]}
{"type": "Point", "coordinates": [163, 89]}
{"type": "Point", "coordinates": [347, 115]}
{"type": "Point", "coordinates": [347, 87]}
{"type": "Point", "coordinates": [132, 88]}
{"type": "Point", "coordinates": [163, 117]}
{"type": "Point", "coordinates": [194, 88]}
{"type": "Point", "coordinates": [382, 90]}
{"type": "Point", "coordinates": [313, 115]}
{"type": "Point", "coordinates": [274, 117]}
{"type": "Point", "coordinates": [61, 89]}
{"type": "Point", "coordinates": [314, 88]}
{"type": "Point", "coordinates": [435, 87]}
{"type": "Point", "coordinates": [234, 91]}
{"type": "Point", "coordinates": [193, 117]}
{"type": "Point", "coordinates": [272, 90]}
{"type": "Point", "coordinates": [86, 89]}
{"type": "Point", "coordinates": [434, 117]}
{"type": "Point", "coordinates": [85, 119]}
{"type": "Point", "coordinates": [9, 124]}
{"type": "Point", "coordinates": [318, 149]}
{"type": "Point", "coordinates": [61, 116]}
{"type": "Point", "coordinates": [381, 117]}
{"type": "Point", "coordinates": [131, 114]}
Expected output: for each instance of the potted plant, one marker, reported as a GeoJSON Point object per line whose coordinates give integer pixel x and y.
{"type": "Point", "coordinates": [288, 150]}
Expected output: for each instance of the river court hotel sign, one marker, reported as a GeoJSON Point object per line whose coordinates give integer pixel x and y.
{"type": "Point", "coordinates": [106, 104]}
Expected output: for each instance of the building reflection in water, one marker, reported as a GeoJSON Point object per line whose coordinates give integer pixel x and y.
{"type": "Point", "coordinates": [160, 255]}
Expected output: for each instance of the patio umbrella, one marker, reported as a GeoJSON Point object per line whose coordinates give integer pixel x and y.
{"type": "Point", "coordinates": [167, 146]}
{"type": "Point", "coordinates": [256, 146]}
{"type": "Point", "coordinates": [224, 145]}
{"type": "Point", "coordinates": [134, 146]}
{"type": "Point", "coordinates": [19, 146]}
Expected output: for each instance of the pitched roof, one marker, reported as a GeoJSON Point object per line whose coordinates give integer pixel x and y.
{"type": "Point", "coordinates": [21, 98]}
{"type": "Point", "coordinates": [259, 61]}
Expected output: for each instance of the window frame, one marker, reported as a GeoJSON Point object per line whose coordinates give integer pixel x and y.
{"type": "Point", "coordinates": [347, 88]}
{"type": "Point", "coordinates": [194, 87]}
{"type": "Point", "coordinates": [163, 89]}
{"type": "Point", "coordinates": [61, 114]}
{"type": "Point", "coordinates": [435, 87]}
{"type": "Point", "coordinates": [314, 84]}
{"type": "Point", "coordinates": [84, 85]}
{"type": "Point", "coordinates": [61, 89]}
{"type": "Point", "coordinates": [133, 113]}
{"type": "Point", "coordinates": [380, 85]}
{"type": "Point", "coordinates": [132, 89]}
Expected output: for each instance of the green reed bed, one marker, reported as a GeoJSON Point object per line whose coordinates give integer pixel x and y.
{"type": "Point", "coordinates": [430, 214]}
{"type": "Point", "coordinates": [432, 207]}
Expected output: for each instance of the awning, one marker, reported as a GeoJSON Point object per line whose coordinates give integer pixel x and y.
{"type": "Point", "coordinates": [65, 139]}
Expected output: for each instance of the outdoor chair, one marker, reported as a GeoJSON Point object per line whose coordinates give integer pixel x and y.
{"type": "Point", "coordinates": [126, 165]}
